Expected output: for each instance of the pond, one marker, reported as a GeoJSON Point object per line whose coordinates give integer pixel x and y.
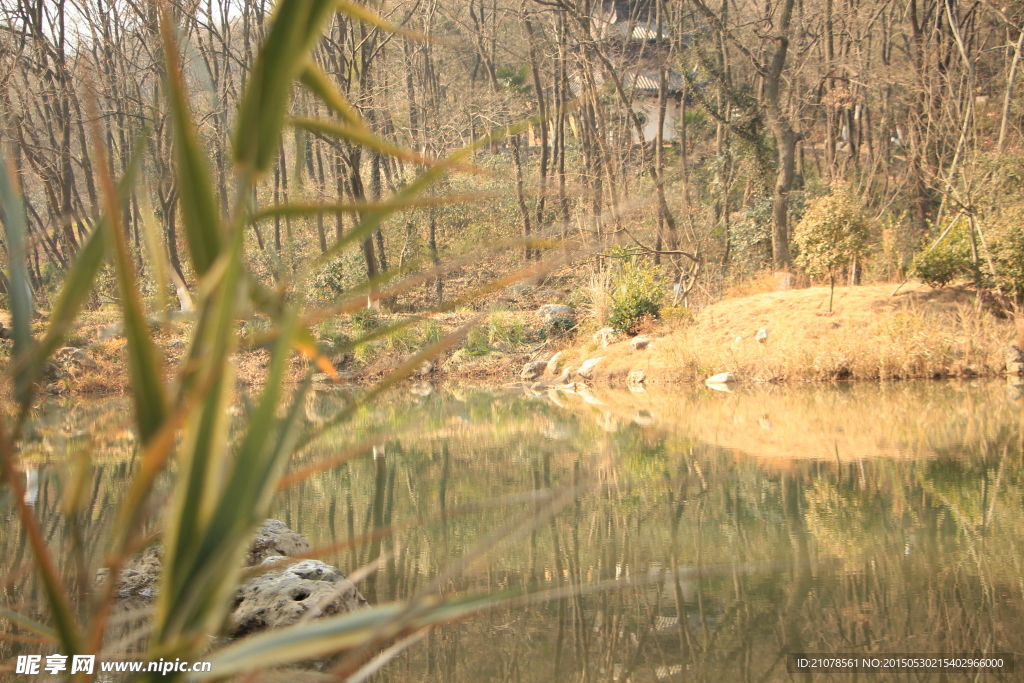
{"type": "Point", "coordinates": [697, 534]}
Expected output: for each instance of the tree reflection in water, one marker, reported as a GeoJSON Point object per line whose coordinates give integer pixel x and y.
{"type": "Point", "coordinates": [893, 526]}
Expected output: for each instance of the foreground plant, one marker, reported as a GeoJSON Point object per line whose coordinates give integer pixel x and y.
{"type": "Point", "coordinates": [221, 492]}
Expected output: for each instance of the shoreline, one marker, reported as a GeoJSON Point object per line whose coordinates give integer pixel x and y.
{"type": "Point", "coordinates": [773, 337]}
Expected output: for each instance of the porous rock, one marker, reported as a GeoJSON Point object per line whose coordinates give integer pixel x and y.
{"type": "Point", "coordinates": [137, 582]}
{"type": "Point", "coordinates": [282, 597]}
{"type": "Point", "coordinates": [274, 539]}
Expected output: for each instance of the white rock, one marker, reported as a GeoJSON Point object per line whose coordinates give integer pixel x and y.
{"type": "Point", "coordinates": [636, 377]}
{"type": "Point", "coordinates": [586, 370]}
{"type": "Point", "coordinates": [762, 335]}
{"type": "Point", "coordinates": [606, 336]}
{"type": "Point", "coordinates": [639, 343]}
{"type": "Point", "coordinates": [722, 378]}
{"type": "Point", "coordinates": [551, 311]}
{"type": "Point", "coordinates": [555, 363]}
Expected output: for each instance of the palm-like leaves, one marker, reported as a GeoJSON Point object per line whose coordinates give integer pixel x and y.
{"type": "Point", "coordinates": [221, 493]}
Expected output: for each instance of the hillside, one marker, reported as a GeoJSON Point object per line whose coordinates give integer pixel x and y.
{"type": "Point", "coordinates": [920, 332]}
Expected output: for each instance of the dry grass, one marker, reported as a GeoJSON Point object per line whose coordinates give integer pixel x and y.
{"type": "Point", "coordinates": [870, 335]}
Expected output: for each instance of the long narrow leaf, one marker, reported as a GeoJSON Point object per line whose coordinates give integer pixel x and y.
{"type": "Point", "coordinates": [295, 29]}
{"type": "Point", "coordinates": [316, 80]}
{"type": "Point", "coordinates": [203, 450]}
{"type": "Point", "coordinates": [365, 14]}
{"type": "Point", "coordinates": [60, 604]}
{"type": "Point", "coordinates": [294, 210]}
{"type": "Point", "coordinates": [21, 287]}
{"type": "Point", "coordinates": [73, 294]}
{"type": "Point", "coordinates": [200, 213]}
{"type": "Point", "coordinates": [363, 137]}
{"type": "Point", "coordinates": [326, 636]}
{"type": "Point", "coordinates": [144, 363]}
{"type": "Point", "coordinates": [29, 624]}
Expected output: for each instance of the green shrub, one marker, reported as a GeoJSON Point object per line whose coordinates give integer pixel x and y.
{"type": "Point", "coordinates": [365, 320]}
{"type": "Point", "coordinates": [477, 342]}
{"type": "Point", "coordinates": [557, 327]}
{"type": "Point", "coordinates": [637, 298]}
{"type": "Point", "coordinates": [948, 260]}
{"type": "Point", "coordinates": [506, 328]}
{"type": "Point", "coordinates": [831, 234]}
{"type": "Point", "coordinates": [1007, 247]}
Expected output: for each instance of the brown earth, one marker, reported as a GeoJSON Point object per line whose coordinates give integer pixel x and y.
{"type": "Point", "coordinates": [869, 334]}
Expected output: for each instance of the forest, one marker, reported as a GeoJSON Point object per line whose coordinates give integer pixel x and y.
{"type": "Point", "coordinates": [691, 135]}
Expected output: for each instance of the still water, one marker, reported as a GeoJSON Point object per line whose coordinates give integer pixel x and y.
{"type": "Point", "coordinates": [725, 529]}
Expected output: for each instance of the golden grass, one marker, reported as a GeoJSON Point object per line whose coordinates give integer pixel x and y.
{"type": "Point", "coordinates": [920, 332]}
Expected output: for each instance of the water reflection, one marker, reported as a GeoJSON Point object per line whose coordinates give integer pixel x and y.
{"type": "Point", "coordinates": [738, 526]}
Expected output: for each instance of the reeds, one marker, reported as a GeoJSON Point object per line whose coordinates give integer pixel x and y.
{"type": "Point", "coordinates": [223, 486]}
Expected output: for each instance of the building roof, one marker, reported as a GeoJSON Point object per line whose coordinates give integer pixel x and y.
{"type": "Point", "coordinates": [647, 81]}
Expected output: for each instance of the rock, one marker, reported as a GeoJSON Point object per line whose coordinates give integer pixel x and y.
{"type": "Point", "coordinates": [323, 406]}
{"type": "Point", "coordinates": [275, 598]}
{"type": "Point", "coordinates": [762, 335]}
{"type": "Point", "coordinates": [274, 539]}
{"type": "Point", "coordinates": [321, 377]}
{"type": "Point", "coordinates": [1015, 360]}
{"type": "Point", "coordinates": [552, 311]}
{"type": "Point", "coordinates": [644, 418]}
{"type": "Point", "coordinates": [636, 377]}
{"type": "Point", "coordinates": [555, 363]}
{"type": "Point", "coordinates": [69, 355]}
{"type": "Point", "coordinates": [533, 370]}
{"type": "Point", "coordinates": [639, 343]}
{"type": "Point", "coordinates": [53, 372]}
{"type": "Point", "coordinates": [722, 378]}
{"type": "Point", "coordinates": [138, 581]}
{"type": "Point", "coordinates": [281, 597]}
{"type": "Point", "coordinates": [551, 294]}
{"type": "Point", "coordinates": [424, 369]}
{"type": "Point", "coordinates": [564, 377]}
{"type": "Point", "coordinates": [421, 389]}
{"type": "Point", "coordinates": [606, 336]}
{"type": "Point", "coordinates": [1015, 387]}
{"type": "Point", "coordinates": [586, 370]}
